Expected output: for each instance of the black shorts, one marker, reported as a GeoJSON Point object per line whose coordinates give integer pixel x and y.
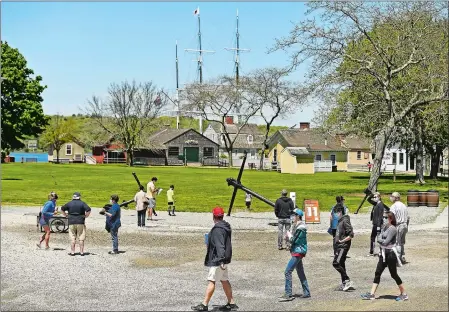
{"type": "Point", "coordinates": [170, 203]}
{"type": "Point", "coordinates": [248, 204]}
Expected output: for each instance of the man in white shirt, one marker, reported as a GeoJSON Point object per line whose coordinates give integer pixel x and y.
{"type": "Point", "coordinates": [151, 195]}
{"type": "Point", "coordinates": [402, 220]}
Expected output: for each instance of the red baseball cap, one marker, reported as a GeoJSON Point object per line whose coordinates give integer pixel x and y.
{"type": "Point", "coordinates": [218, 212]}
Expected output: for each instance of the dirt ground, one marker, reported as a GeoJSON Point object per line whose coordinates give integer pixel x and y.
{"type": "Point", "coordinates": [164, 271]}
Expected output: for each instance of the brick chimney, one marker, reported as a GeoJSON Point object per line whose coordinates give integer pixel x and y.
{"type": "Point", "coordinates": [229, 120]}
{"type": "Point", "coordinates": [304, 125]}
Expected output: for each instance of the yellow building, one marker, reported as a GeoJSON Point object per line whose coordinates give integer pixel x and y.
{"type": "Point", "coordinates": [69, 152]}
{"type": "Point", "coordinates": [359, 151]}
{"type": "Point", "coordinates": [306, 151]}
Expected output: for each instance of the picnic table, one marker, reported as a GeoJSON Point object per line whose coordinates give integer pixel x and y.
{"type": "Point", "coordinates": [58, 224]}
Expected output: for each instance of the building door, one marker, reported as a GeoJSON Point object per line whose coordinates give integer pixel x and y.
{"type": "Point", "coordinates": [333, 159]}
{"type": "Point", "coordinates": [192, 154]}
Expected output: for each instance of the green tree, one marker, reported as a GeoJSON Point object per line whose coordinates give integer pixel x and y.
{"type": "Point", "coordinates": [60, 130]}
{"type": "Point", "coordinates": [21, 109]}
{"type": "Point", "coordinates": [380, 62]}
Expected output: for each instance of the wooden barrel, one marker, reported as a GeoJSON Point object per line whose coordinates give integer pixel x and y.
{"type": "Point", "coordinates": [412, 198]}
{"type": "Point", "coordinates": [422, 198]}
{"type": "Point", "coordinates": [433, 198]}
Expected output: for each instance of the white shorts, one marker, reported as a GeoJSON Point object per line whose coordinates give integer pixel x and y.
{"type": "Point", "coordinates": [216, 273]}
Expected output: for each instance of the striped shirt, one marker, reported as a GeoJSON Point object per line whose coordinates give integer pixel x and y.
{"type": "Point", "coordinates": [400, 212]}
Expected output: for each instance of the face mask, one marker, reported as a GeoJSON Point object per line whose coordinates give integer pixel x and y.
{"type": "Point", "coordinates": [376, 199]}
{"type": "Point", "coordinates": [110, 201]}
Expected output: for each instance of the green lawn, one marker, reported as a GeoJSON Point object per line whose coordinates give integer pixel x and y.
{"type": "Point", "coordinates": [196, 189]}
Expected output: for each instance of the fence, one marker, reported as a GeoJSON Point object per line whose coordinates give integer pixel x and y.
{"type": "Point", "coordinates": [114, 160]}
{"type": "Point", "coordinates": [323, 166]}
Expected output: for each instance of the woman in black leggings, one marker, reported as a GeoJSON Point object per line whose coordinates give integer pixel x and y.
{"type": "Point", "coordinates": [387, 258]}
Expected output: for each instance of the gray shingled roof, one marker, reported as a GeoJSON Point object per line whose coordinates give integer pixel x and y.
{"type": "Point", "coordinates": [296, 151]}
{"type": "Point", "coordinates": [158, 139]}
{"type": "Point", "coordinates": [242, 141]}
{"type": "Point", "coordinates": [232, 129]}
{"type": "Point", "coordinates": [356, 143]}
{"type": "Point", "coordinates": [311, 139]}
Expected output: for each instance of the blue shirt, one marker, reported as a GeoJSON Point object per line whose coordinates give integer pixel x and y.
{"type": "Point", "coordinates": [114, 220]}
{"type": "Point", "coordinates": [335, 217]}
{"type": "Point", "coordinates": [48, 210]}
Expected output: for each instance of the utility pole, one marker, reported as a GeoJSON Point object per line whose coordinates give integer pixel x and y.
{"type": "Point", "coordinates": [177, 89]}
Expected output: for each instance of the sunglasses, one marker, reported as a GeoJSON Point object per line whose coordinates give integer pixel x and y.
{"type": "Point", "coordinates": [385, 217]}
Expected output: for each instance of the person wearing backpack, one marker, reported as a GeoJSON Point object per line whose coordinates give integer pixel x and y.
{"type": "Point", "coordinates": [333, 217]}
{"type": "Point", "coordinates": [298, 241]}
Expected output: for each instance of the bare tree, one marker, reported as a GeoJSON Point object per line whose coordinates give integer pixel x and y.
{"type": "Point", "coordinates": [126, 112]}
{"type": "Point", "coordinates": [221, 98]}
{"type": "Point", "coordinates": [387, 58]}
{"type": "Point", "coordinates": [275, 97]}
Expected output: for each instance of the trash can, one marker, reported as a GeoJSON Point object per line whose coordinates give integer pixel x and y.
{"type": "Point", "coordinates": [412, 198]}
{"type": "Point", "coordinates": [433, 198]}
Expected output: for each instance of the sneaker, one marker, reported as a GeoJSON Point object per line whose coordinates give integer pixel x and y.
{"type": "Point", "coordinates": [155, 214]}
{"type": "Point", "coordinates": [304, 297]}
{"type": "Point", "coordinates": [402, 297]}
{"type": "Point", "coordinates": [71, 254]}
{"type": "Point", "coordinates": [114, 252]}
{"type": "Point", "coordinates": [285, 298]}
{"type": "Point", "coordinates": [200, 307]}
{"type": "Point", "coordinates": [228, 307]}
{"type": "Point", "coordinates": [368, 296]}
{"type": "Point", "coordinates": [280, 248]}
{"type": "Point", "coordinates": [173, 215]}
{"type": "Point", "coordinates": [370, 255]}
{"type": "Point", "coordinates": [340, 287]}
{"type": "Point", "coordinates": [38, 246]}
{"type": "Point", "coordinates": [82, 255]}
{"type": "Point", "coordinates": [349, 285]}
{"type": "Point", "coordinates": [403, 260]}
{"type": "Point", "coordinates": [47, 248]}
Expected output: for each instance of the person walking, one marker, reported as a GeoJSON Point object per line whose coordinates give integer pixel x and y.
{"type": "Point", "coordinates": [342, 244]}
{"type": "Point", "coordinates": [76, 212]}
{"type": "Point", "coordinates": [333, 217]}
{"type": "Point", "coordinates": [44, 221]}
{"type": "Point", "coordinates": [298, 250]}
{"type": "Point", "coordinates": [141, 206]}
{"type": "Point", "coordinates": [402, 219]}
{"type": "Point", "coordinates": [376, 218]}
{"type": "Point", "coordinates": [151, 195]}
{"type": "Point", "coordinates": [171, 201]}
{"type": "Point", "coordinates": [283, 209]}
{"type": "Point", "coordinates": [388, 258]}
{"type": "Point", "coordinates": [113, 222]}
{"type": "Point", "coordinates": [218, 256]}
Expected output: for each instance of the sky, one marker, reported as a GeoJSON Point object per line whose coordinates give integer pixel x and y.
{"type": "Point", "coordinates": [80, 48]}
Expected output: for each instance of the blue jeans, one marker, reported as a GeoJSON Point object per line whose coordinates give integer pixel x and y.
{"type": "Point", "coordinates": [296, 263]}
{"type": "Point", "coordinates": [114, 236]}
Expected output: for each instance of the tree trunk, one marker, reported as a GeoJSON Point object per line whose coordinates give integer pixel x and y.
{"type": "Point", "coordinates": [419, 178]}
{"type": "Point", "coordinates": [435, 162]}
{"type": "Point", "coordinates": [262, 155]}
{"type": "Point", "coordinates": [130, 159]}
{"type": "Point", "coordinates": [380, 140]}
{"type": "Point", "coordinates": [229, 157]}
{"type": "Point", "coordinates": [57, 155]}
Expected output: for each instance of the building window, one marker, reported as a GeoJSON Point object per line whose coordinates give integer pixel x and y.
{"type": "Point", "coordinates": [253, 152]}
{"type": "Point", "coordinates": [275, 155]}
{"type": "Point", "coordinates": [213, 137]}
{"type": "Point", "coordinates": [395, 158]}
{"type": "Point", "coordinates": [359, 155]}
{"type": "Point", "coordinates": [318, 157]}
{"type": "Point", "coordinates": [250, 139]}
{"type": "Point", "coordinates": [334, 159]}
{"type": "Point", "coordinates": [208, 152]}
{"type": "Point", "coordinates": [236, 151]}
{"type": "Point", "coordinates": [68, 149]}
{"type": "Point", "coordinates": [401, 158]}
{"type": "Point", "coordinates": [173, 151]}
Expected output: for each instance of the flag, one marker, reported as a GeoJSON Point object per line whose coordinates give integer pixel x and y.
{"type": "Point", "coordinates": [197, 11]}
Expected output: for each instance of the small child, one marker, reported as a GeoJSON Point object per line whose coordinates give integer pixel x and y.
{"type": "Point", "coordinates": [171, 201]}
{"type": "Point", "coordinates": [248, 198]}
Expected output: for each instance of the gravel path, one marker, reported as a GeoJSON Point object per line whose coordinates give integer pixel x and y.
{"type": "Point", "coordinates": [161, 268]}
